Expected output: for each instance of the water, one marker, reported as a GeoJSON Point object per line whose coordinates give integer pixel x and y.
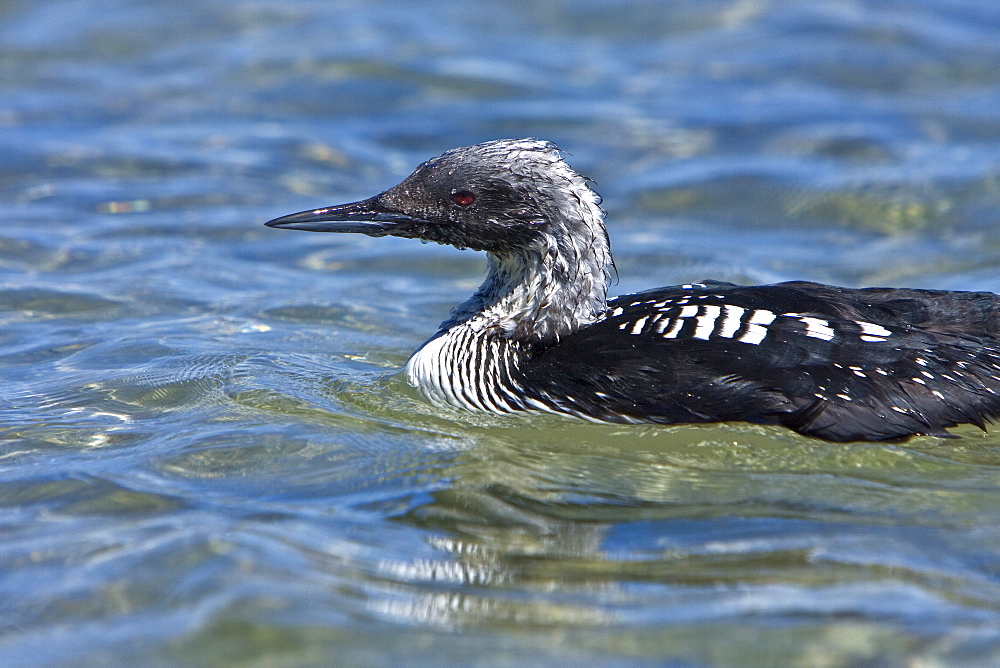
{"type": "Point", "coordinates": [206, 459]}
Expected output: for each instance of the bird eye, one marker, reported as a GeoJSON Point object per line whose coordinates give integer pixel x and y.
{"type": "Point", "coordinates": [463, 198]}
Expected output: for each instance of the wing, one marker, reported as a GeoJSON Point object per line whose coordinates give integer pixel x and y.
{"type": "Point", "coordinates": [829, 362]}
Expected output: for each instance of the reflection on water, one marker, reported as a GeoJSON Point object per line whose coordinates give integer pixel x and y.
{"type": "Point", "coordinates": [206, 460]}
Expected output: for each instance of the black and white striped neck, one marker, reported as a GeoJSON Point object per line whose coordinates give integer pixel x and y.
{"type": "Point", "coordinates": [539, 334]}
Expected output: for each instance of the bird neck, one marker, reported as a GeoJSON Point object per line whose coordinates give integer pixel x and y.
{"type": "Point", "coordinates": [550, 289]}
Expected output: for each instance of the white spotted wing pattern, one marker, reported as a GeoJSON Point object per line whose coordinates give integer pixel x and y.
{"type": "Point", "coordinates": [838, 363]}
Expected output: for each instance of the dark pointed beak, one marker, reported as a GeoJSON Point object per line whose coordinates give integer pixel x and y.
{"type": "Point", "coordinates": [368, 216]}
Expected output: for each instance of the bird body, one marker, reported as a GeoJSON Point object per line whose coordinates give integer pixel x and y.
{"type": "Point", "coordinates": [540, 334]}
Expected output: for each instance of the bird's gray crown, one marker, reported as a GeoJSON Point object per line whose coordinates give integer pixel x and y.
{"type": "Point", "coordinates": [539, 221]}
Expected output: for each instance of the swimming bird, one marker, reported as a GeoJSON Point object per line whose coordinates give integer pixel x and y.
{"type": "Point", "coordinates": [841, 364]}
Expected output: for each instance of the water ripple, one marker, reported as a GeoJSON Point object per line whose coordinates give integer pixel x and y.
{"type": "Point", "coordinates": [206, 457]}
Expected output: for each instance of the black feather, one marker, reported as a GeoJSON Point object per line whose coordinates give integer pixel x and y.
{"type": "Point", "coordinates": [938, 367]}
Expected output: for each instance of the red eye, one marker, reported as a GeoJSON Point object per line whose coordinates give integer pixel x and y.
{"type": "Point", "coordinates": [463, 198]}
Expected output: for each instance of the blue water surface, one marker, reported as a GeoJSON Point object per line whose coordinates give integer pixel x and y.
{"type": "Point", "coordinates": [206, 458]}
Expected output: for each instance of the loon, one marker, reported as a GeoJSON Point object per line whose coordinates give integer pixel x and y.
{"type": "Point", "coordinates": [840, 364]}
